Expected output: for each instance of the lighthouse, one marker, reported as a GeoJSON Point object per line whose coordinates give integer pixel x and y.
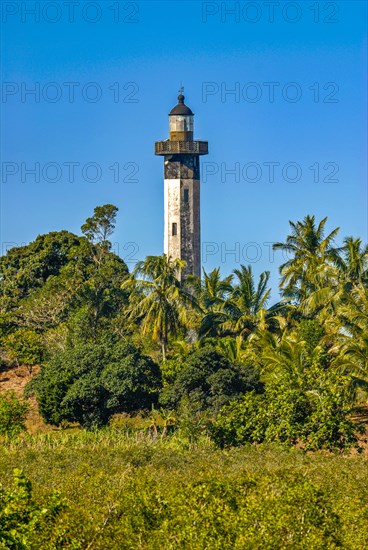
{"type": "Point", "coordinates": [182, 221]}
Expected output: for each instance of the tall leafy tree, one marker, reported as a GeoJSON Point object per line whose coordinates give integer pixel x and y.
{"type": "Point", "coordinates": [101, 225]}
{"type": "Point", "coordinates": [26, 268]}
{"type": "Point", "coordinates": [63, 281]}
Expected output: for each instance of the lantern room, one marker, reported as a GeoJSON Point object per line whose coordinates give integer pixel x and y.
{"type": "Point", "coordinates": [181, 121]}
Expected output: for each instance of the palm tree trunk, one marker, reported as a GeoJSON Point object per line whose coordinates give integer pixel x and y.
{"type": "Point", "coordinates": [163, 348]}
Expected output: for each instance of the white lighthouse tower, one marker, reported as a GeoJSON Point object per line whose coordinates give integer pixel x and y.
{"type": "Point", "coordinates": [182, 230]}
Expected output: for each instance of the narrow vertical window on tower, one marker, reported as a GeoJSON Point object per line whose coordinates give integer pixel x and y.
{"type": "Point", "coordinates": [186, 196]}
{"type": "Point", "coordinates": [174, 230]}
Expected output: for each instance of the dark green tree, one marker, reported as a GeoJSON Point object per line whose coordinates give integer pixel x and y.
{"type": "Point", "coordinates": [26, 268]}
{"type": "Point", "coordinates": [91, 382]}
{"type": "Point", "coordinates": [208, 380]}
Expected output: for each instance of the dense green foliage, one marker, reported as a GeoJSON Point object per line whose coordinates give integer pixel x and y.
{"type": "Point", "coordinates": [208, 380]}
{"type": "Point", "coordinates": [12, 414]}
{"type": "Point", "coordinates": [212, 349]}
{"type": "Point", "coordinates": [305, 400]}
{"type": "Point", "coordinates": [24, 346]}
{"type": "Point", "coordinates": [315, 418]}
{"type": "Point", "coordinates": [24, 269]}
{"type": "Point", "coordinates": [197, 381]}
{"type": "Point", "coordinates": [22, 519]}
{"type": "Point", "coordinates": [58, 290]}
{"type": "Point", "coordinates": [90, 382]}
{"type": "Point", "coordinates": [122, 491]}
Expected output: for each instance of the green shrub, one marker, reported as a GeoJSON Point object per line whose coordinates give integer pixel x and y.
{"type": "Point", "coordinates": [317, 418]}
{"type": "Point", "coordinates": [12, 414]}
{"type": "Point", "coordinates": [24, 346]}
{"type": "Point", "coordinates": [208, 380]}
{"type": "Point", "coordinates": [21, 518]}
{"type": "Point", "coordinates": [90, 383]}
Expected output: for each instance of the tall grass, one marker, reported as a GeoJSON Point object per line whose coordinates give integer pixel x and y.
{"type": "Point", "coordinates": [132, 490]}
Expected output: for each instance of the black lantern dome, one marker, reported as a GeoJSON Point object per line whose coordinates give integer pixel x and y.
{"type": "Point", "coordinates": [181, 108]}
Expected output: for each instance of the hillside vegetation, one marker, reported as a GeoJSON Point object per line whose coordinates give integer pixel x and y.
{"type": "Point", "coordinates": [183, 413]}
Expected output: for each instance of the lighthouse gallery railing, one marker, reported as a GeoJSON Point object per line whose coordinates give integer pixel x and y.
{"type": "Point", "coordinates": [181, 147]}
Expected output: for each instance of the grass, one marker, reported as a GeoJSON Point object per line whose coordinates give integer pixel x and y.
{"type": "Point", "coordinates": [129, 490]}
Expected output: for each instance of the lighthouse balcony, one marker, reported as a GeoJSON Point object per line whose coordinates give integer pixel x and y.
{"type": "Point", "coordinates": [181, 147]}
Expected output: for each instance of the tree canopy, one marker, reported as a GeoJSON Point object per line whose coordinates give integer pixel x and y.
{"type": "Point", "coordinates": [109, 341]}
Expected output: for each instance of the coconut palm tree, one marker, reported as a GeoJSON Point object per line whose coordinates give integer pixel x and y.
{"type": "Point", "coordinates": [352, 345]}
{"type": "Point", "coordinates": [236, 309]}
{"type": "Point", "coordinates": [352, 262]}
{"type": "Point", "coordinates": [158, 299]}
{"type": "Point", "coordinates": [309, 248]}
{"type": "Point", "coordinates": [212, 293]}
{"type": "Point", "coordinates": [214, 289]}
{"type": "Point", "coordinates": [333, 282]}
{"type": "Point", "coordinates": [247, 309]}
{"type": "Point", "coordinates": [232, 348]}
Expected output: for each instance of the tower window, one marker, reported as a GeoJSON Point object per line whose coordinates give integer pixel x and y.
{"type": "Point", "coordinates": [186, 195]}
{"type": "Point", "coordinates": [174, 229]}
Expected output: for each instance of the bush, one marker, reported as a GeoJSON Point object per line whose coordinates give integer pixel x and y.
{"type": "Point", "coordinates": [317, 418]}
{"type": "Point", "coordinates": [24, 346]}
{"type": "Point", "coordinates": [12, 414]}
{"type": "Point", "coordinates": [208, 380]}
{"type": "Point", "coordinates": [90, 383]}
{"type": "Point", "coordinates": [21, 518]}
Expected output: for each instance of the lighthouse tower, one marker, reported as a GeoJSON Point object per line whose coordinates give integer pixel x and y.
{"type": "Point", "coordinates": [182, 232]}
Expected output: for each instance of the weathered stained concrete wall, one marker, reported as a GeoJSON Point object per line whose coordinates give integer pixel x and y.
{"type": "Point", "coordinates": [172, 215]}
{"type": "Point", "coordinates": [182, 207]}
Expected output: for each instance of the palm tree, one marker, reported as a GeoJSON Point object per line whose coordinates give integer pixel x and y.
{"type": "Point", "coordinates": [333, 282]}
{"type": "Point", "coordinates": [247, 296]}
{"type": "Point", "coordinates": [352, 261]}
{"type": "Point", "coordinates": [212, 294]}
{"type": "Point", "coordinates": [246, 309]}
{"type": "Point", "coordinates": [309, 248]}
{"type": "Point", "coordinates": [232, 348]}
{"type": "Point", "coordinates": [214, 290]}
{"type": "Point", "coordinates": [285, 355]}
{"type": "Point", "coordinates": [235, 309]}
{"type": "Point", "coordinates": [325, 292]}
{"type": "Point", "coordinates": [158, 299]}
{"type": "Point", "coordinates": [352, 345]}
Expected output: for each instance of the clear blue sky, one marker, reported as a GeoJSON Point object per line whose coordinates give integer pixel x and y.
{"type": "Point", "coordinates": [148, 48]}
